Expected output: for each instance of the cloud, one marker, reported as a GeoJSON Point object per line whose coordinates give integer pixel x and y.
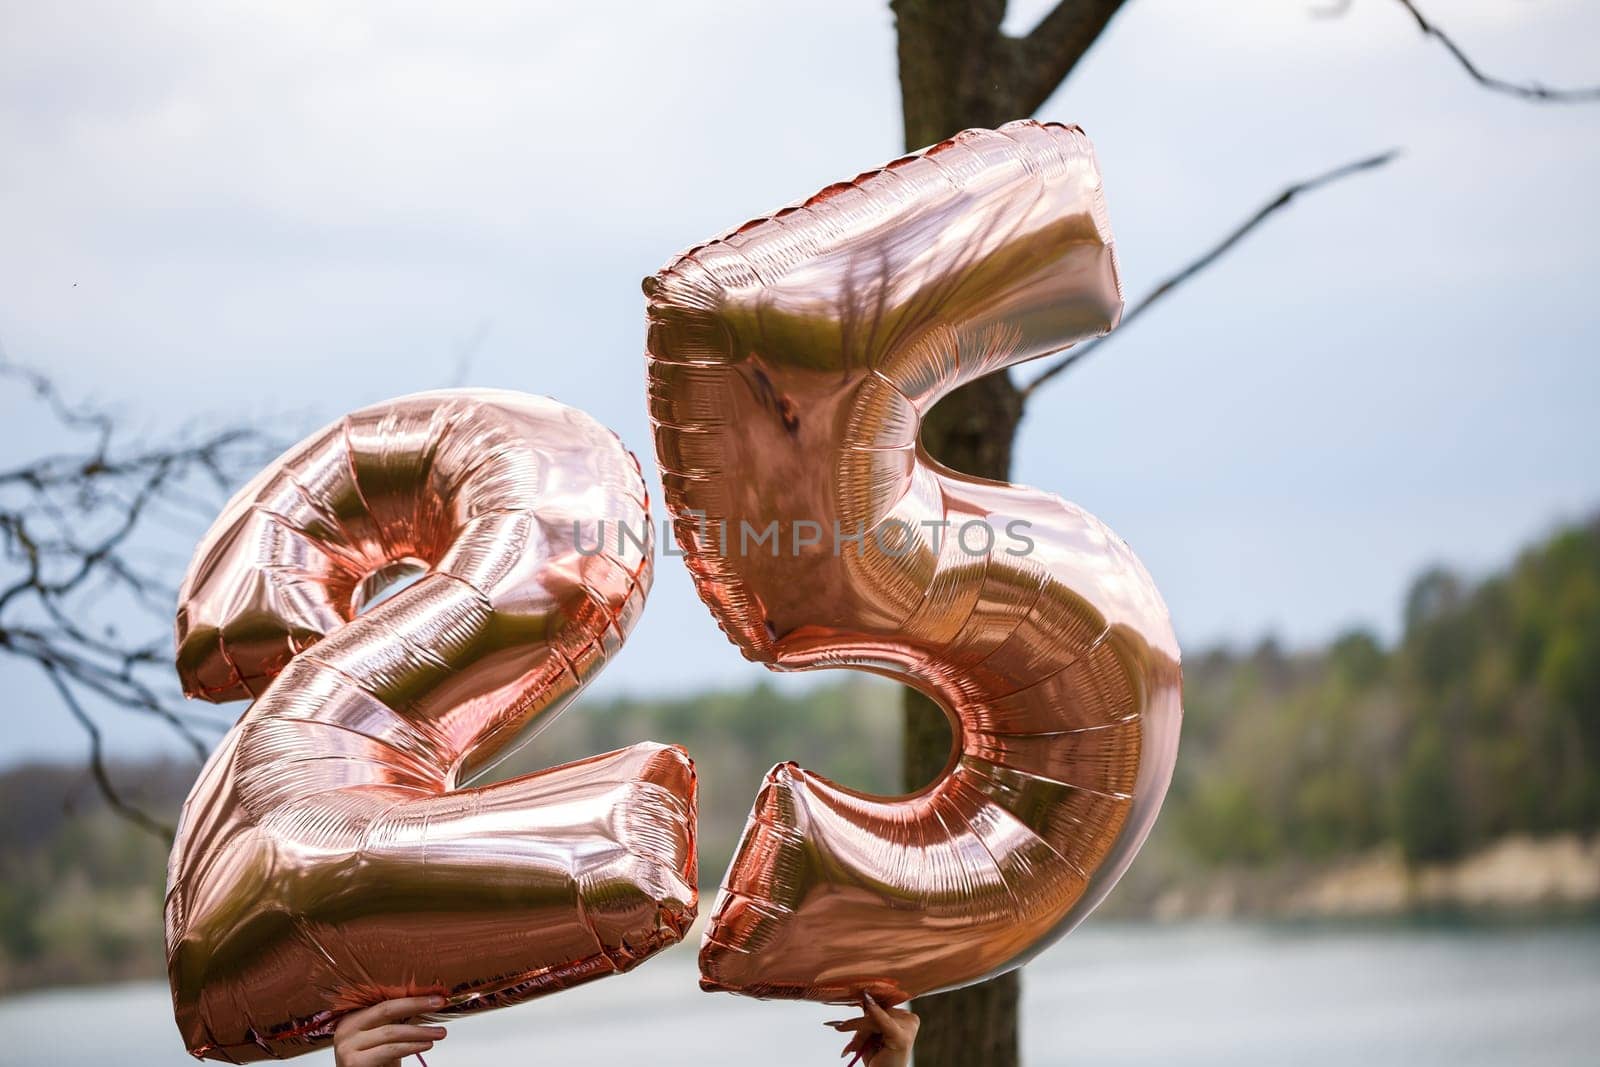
{"type": "Point", "coordinates": [253, 209]}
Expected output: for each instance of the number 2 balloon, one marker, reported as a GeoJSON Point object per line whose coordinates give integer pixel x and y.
{"type": "Point", "coordinates": [790, 365]}
{"type": "Point", "coordinates": [326, 858]}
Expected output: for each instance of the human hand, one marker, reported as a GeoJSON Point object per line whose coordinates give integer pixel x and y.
{"type": "Point", "coordinates": [383, 1035]}
{"type": "Point", "coordinates": [882, 1037]}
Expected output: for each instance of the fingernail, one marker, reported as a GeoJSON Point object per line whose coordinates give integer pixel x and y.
{"type": "Point", "coordinates": [437, 1002]}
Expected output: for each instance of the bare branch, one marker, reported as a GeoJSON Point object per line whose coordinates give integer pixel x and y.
{"type": "Point", "coordinates": [97, 766]}
{"type": "Point", "coordinates": [45, 390]}
{"type": "Point", "coordinates": [1527, 91]}
{"type": "Point", "coordinates": [1266, 211]}
{"type": "Point", "coordinates": [467, 351]}
{"type": "Point", "coordinates": [1041, 61]}
{"type": "Point", "coordinates": [87, 578]}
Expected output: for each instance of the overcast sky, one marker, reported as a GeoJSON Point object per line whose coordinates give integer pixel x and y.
{"type": "Point", "coordinates": [280, 212]}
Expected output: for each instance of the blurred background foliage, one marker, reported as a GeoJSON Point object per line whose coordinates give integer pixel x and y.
{"type": "Point", "coordinates": [1482, 722]}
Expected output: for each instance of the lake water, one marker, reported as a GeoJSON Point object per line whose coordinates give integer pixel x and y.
{"type": "Point", "coordinates": [1110, 994]}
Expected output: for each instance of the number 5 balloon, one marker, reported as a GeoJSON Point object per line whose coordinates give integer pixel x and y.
{"type": "Point", "coordinates": [790, 365]}
{"type": "Point", "coordinates": [326, 858]}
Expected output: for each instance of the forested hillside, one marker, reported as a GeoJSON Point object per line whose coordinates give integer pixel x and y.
{"type": "Point", "coordinates": [1483, 720]}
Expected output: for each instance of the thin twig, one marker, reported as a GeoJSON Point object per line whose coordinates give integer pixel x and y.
{"type": "Point", "coordinates": [86, 591]}
{"type": "Point", "coordinates": [1266, 211]}
{"type": "Point", "coordinates": [1526, 90]}
{"type": "Point", "coordinates": [45, 390]}
{"type": "Point", "coordinates": [97, 765]}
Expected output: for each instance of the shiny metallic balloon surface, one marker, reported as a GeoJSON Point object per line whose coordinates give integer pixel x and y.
{"type": "Point", "coordinates": [328, 857]}
{"type": "Point", "coordinates": [790, 365]}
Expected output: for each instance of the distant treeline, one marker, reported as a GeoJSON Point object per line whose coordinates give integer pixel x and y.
{"type": "Point", "coordinates": [1483, 720]}
{"type": "Point", "coordinates": [81, 887]}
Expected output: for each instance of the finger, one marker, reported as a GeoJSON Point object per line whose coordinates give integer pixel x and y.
{"type": "Point", "coordinates": [390, 1011]}
{"type": "Point", "coordinates": [394, 1011]}
{"type": "Point", "coordinates": [877, 1013]}
{"type": "Point", "coordinates": [854, 1045]}
{"type": "Point", "coordinates": [386, 1035]}
{"type": "Point", "coordinates": [399, 1051]}
{"type": "Point", "coordinates": [382, 1056]}
{"type": "Point", "coordinates": [847, 1025]}
{"type": "Point", "coordinates": [899, 1042]}
{"type": "Point", "coordinates": [899, 1027]}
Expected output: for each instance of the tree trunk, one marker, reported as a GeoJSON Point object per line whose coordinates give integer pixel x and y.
{"type": "Point", "coordinates": [971, 430]}
{"type": "Point", "coordinates": [957, 70]}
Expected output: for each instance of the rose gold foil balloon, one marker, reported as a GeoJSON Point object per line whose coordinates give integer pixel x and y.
{"type": "Point", "coordinates": [327, 858]}
{"type": "Point", "coordinates": [790, 365]}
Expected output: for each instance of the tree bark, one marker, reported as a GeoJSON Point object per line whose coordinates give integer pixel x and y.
{"type": "Point", "coordinates": [958, 70]}
{"type": "Point", "coordinates": [971, 430]}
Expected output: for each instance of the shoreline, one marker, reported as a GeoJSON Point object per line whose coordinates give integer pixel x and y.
{"type": "Point", "coordinates": [1519, 876]}
{"type": "Point", "coordinates": [1517, 880]}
